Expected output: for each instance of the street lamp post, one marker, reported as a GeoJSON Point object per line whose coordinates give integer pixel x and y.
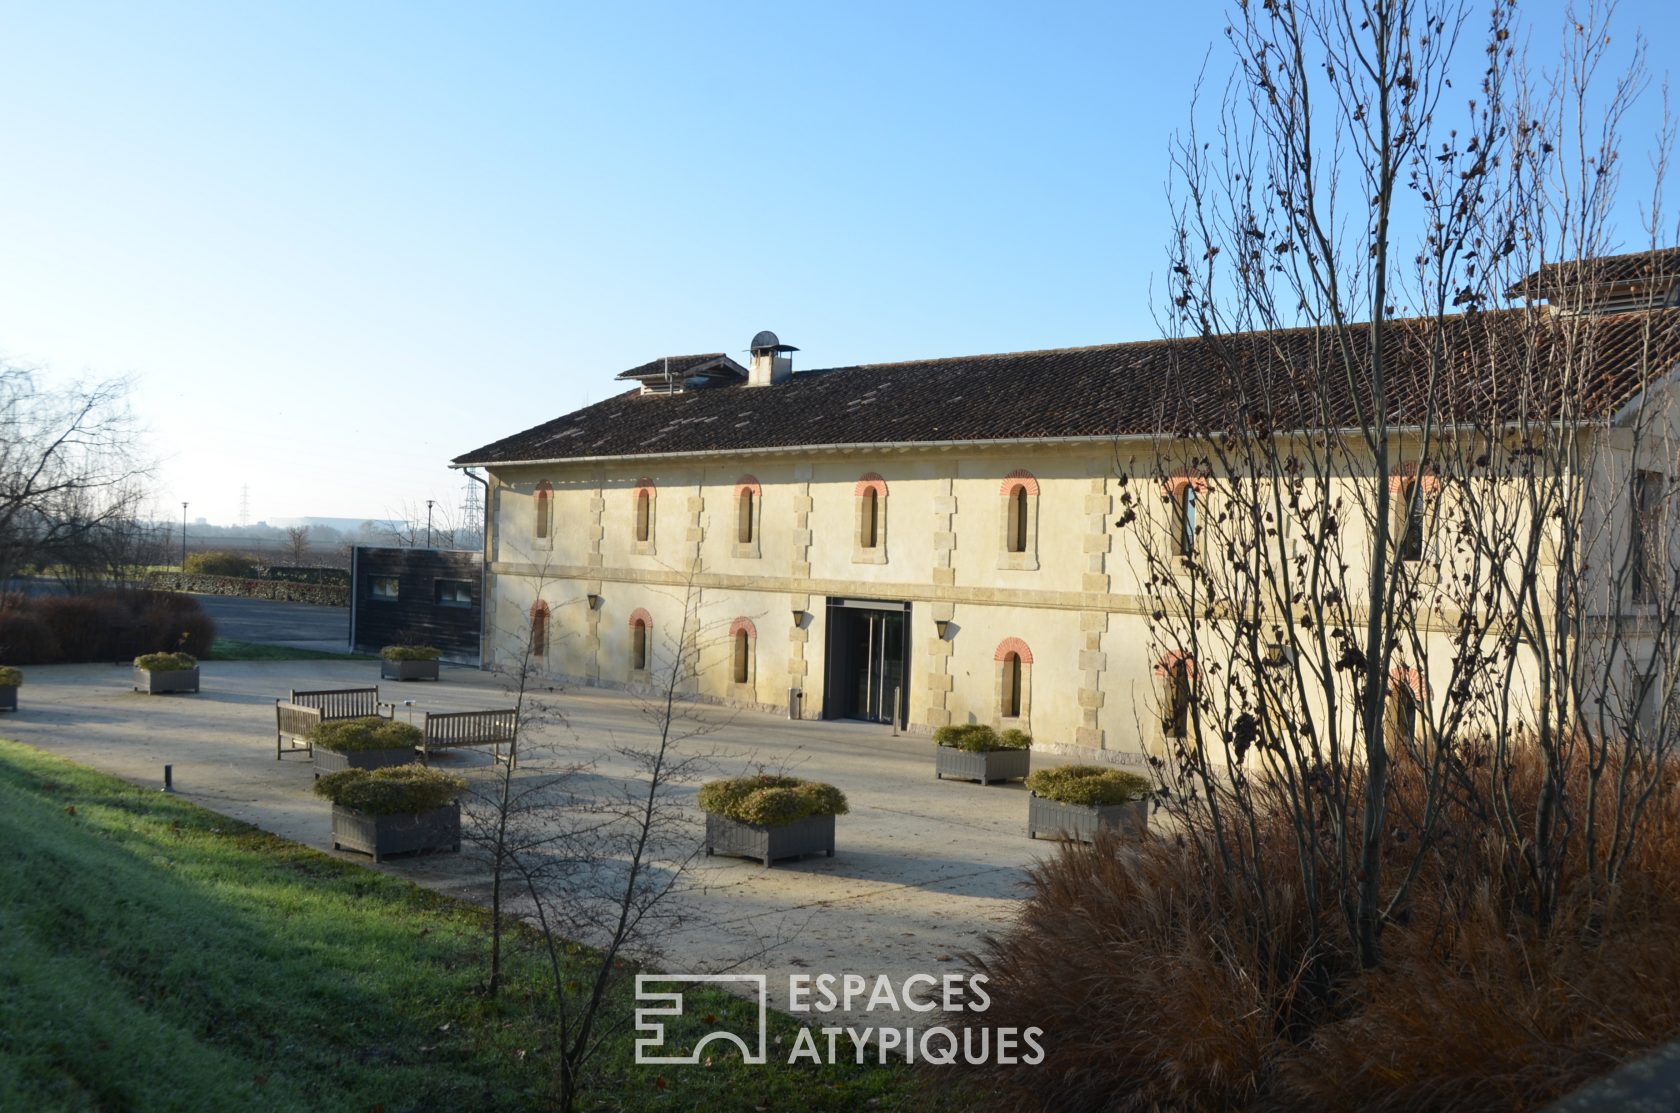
{"type": "Point", "coordinates": [183, 537]}
{"type": "Point", "coordinates": [429, 523]}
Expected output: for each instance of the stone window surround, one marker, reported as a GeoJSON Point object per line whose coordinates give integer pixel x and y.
{"type": "Point", "coordinates": [640, 617]}
{"type": "Point", "coordinates": [1166, 674]}
{"type": "Point", "coordinates": [744, 689]}
{"type": "Point", "coordinates": [1007, 648]}
{"type": "Point", "coordinates": [749, 550]}
{"type": "Point", "coordinates": [1027, 558]}
{"type": "Point", "coordinates": [1400, 481]}
{"type": "Point", "coordinates": [877, 553]}
{"type": "Point", "coordinates": [644, 546]}
{"type": "Point", "coordinates": [542, 517]}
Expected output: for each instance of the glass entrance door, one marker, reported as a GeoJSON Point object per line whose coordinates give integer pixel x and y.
{"type": "Point", "coordinates": [879, 639]}
{"type": "Point", "coordinates": [867, 669]}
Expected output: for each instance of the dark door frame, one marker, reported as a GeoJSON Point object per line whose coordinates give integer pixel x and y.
{"type": "Point", "coordinates": [835, 656]}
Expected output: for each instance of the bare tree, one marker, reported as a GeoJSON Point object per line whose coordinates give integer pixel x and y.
{"type": "Point", "coordinates": [297, 543]}
{"type": "Point", "coordinates": [598, 856]}
{"type": "Point", "coordinates": [70, 464]}
{"type": "Point", "coordinates": [1382, 520]}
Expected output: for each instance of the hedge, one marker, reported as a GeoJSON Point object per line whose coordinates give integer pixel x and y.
{"type": "Point", "coordinates": [107, 626]}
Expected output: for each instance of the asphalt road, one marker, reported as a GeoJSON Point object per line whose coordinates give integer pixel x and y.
{"type": "Point", "coordinates": [299, 625]}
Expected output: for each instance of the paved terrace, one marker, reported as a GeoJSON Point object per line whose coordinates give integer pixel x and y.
{"type": "Point", "coordinates": [923, 867]}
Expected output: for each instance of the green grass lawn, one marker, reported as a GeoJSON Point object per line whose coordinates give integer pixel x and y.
{"type": "Point", "coordinates": [155, 955]}
{"type": "Point", "coordinates": [226, 650]}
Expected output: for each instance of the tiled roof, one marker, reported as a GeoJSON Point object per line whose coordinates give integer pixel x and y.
{"type": "Point", "coordinates": [679, 366]}
{"type": "Point", "coordinates": [1249, 380]}
{"type": "Point", "coordinates": [1635, 268]}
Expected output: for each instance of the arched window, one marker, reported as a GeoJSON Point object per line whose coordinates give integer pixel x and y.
{"type": "Point", "coordinates": [743, 655]}
{"type": "Point", "coordinates": [1014, 679]}
{"type": "Point", "coordinates": [1406, 691]}
{"type": "Point", "coordinates": [644, 515]}
{"type": "Point", "coordinates": [869, 533]}
{"type": "Point", "coordinates": [640, 626]}
{"type": "Point", "coordinates": [545, 512]}
{"type": "Point", "coordinates": [1177, 673]}
{"type": "Point", "coordinates": [1187, 520]}
{"type": "Point", "coordinates": [1412, 497]}
{"type": "Point", "coordinates": [744, 517]}
{"type": "Point", "coordinates": [1188, 494]}
{"type": "Point", "coordinates": [742, 638]}
{"type": "Point", "coordinates": [1018, 521]}
{"type": "Point", "coordinates": [539, 629]}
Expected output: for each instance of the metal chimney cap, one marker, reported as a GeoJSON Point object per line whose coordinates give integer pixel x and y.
{"type": "Point", "coordinates": [766, 341]}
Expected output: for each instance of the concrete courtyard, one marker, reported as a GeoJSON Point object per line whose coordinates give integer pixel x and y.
{"type": "Point", "coordinates": [924, 868]}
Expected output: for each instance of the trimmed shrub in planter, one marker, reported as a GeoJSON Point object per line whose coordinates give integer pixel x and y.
{"type": "Point", "coordinates": [10, 678]}
{"type": "Point", "coordinates": [158, 673]}
{"type": "Point", "coordinates": [397, 810]}
{"type": "Point", "coordinates": [374, 742]}
{"type": "Point", "coordinates": [1076, 801]}
{"type": "Point", "coordinates": [409, 662]}
{"type": "Point", "coordinates": [976, 752]}
{"type": "Point", "coordinates": [769, 817]}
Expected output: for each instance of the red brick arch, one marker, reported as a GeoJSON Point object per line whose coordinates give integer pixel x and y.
{"type": "Point", "coordinates": [1175, 483]}
{"type": "Point", "coordinates": [646, 484]}
{"type": "Point", "coordinates": [1412, 680]}
{"type": "Point", "coordinates": [1402, 474]}
{"type": "Point", "coordinates": [748, 483]}
{"type": "Point", "coordinates": [1013, 645]}
{"type": "Point", "coordinates": [1020, 477]}
{"type": "Point", "coordinates": [870, 481]}
{"type": "Point", "coordinates": [1169, 660]}
{"type": "Point", "coordinates": [741, 625]}
{"type": "Point", "coordinates": [639, 616]}
{"type": "Point", "coordinates": [539, 609]}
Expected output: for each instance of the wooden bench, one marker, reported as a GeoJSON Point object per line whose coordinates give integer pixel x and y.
{"type": "Point", "coordinates": [450, 729]}
{"type": "Point", "coordinates": [294, 718]}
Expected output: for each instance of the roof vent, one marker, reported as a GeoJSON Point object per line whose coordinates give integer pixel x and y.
{"type": "Point", "coordinates": [771, 362]}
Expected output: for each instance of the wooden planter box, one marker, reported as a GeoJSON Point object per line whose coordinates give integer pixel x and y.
{"type": "Point", "coordinates": [331, 761]}
{"type": "Point", "coordinates": [384, 835]}
{"type": "Point", "coordinates": [407, 670]}
{"type": "Point", "coordinates": [171, 680]}
{"type": "Point", "coordinates": [810, 835]}
{"type": "Point", "coordinates": [8, 697]}
{"type": "Point", "coordinates": [995, 765]}
{"type": "Point", "coordinates": [1083, 821]}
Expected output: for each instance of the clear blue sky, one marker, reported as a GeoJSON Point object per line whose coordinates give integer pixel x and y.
{"type": "Point", "coordinates": [337, 244]}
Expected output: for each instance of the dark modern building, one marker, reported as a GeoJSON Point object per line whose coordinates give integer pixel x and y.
{"type": "Point", "coordinates": [418, 596]}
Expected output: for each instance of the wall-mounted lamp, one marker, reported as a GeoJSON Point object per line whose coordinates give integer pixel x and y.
{"type": "Point", "coordinates": [941, 626]}
{"type": "Point", "coordinates": [594, 602]}
{"type": "Point", "coordinates": [798, 618]}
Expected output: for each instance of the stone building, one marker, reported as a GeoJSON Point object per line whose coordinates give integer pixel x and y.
{"type": "Point", "coordinates": [933, 540]}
